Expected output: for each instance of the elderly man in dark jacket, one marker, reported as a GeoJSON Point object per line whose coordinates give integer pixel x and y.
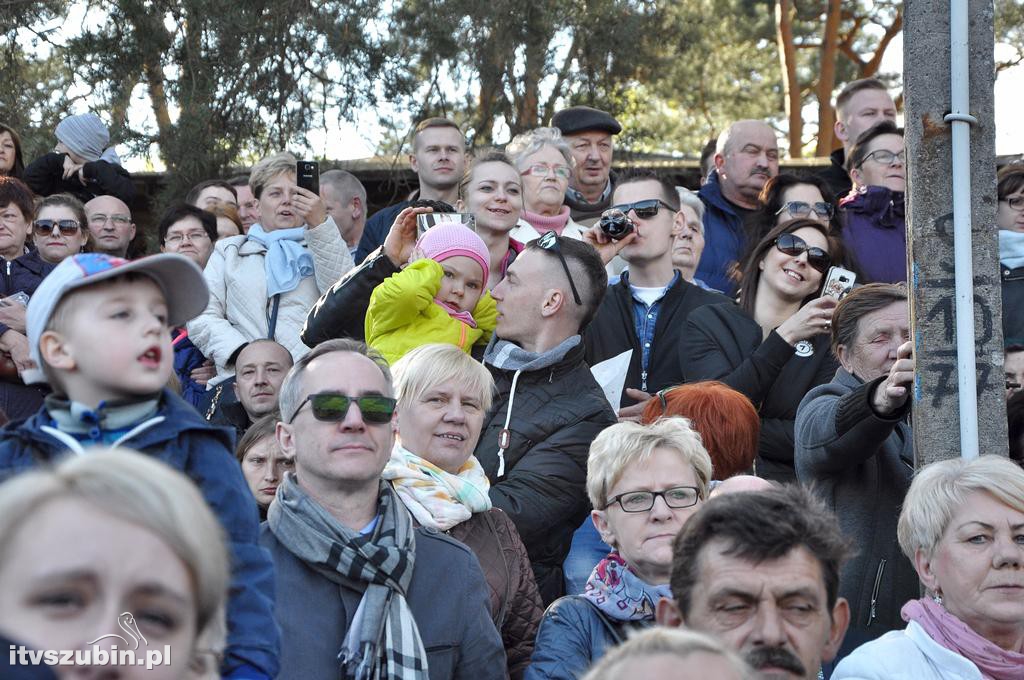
{"type": "Point", "coordinates": [548, 409]}
{"type": "Point", "coordinates": [368, 594]}
{"type": "Point", "coordinates": [854, 444]}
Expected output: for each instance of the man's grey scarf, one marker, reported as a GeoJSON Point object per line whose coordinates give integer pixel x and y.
{"type": "Point", "coordinates": [383, 640]}
{"type": "Point", "coordinates": [509, 356]}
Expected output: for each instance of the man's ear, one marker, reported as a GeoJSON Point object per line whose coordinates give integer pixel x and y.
{"type": "Point", "coordinates": [840, 129]}
{"type": "Point", "coordinates": [132, 237]}
{"type": "Point", "coordinates": [667, 613]}
{"type": "Point", "coordinates": [552, 300]}
{"type": "Point", "coordinates": [285, 439]}
{"type": "Point", "coordinates": [413, 163]}
{"type": "Point", "coordinates": [234, 387]}
{"type": "Point", "coordinates": [837, 631]}
{"type": "Point", "coordinates": [719, 160]}
{"type": "Point", "coordinates": [357, 208]}
{"type": "Point", "coordinates": [55, 352]}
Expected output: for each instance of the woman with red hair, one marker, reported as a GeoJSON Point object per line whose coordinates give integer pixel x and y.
{"type": "Point", "coordinates": [727, 422]}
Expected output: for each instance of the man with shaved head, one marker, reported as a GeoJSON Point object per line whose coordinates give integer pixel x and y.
{"type": "Point", "coordinates": [746, 157]}
{"type": "Point", "coordinates": [110, 225]}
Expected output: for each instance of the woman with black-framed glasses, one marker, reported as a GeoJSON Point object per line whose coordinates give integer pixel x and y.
{"type": "Point", "coordinates": [644, 482]}
{"type": "Point", "coordinates": [873, 213]}
{"type": "Point", "coordinates": [773, 347]}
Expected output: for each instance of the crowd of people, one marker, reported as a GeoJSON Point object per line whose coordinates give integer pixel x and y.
{"type": "Point", "coordinates": [540, 420]}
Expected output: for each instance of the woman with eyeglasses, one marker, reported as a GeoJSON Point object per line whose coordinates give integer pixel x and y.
{"type": "Point", "coordinates": [57, 232]}
{"type": "Point", "coordinates": [545, 164]}
{"type": "Point", "coordinates": [873, 213]}
{"type": "Point", "coordinates": [443, 395]}
{"type": "Point", "coordinates": [774, 346]}
{"type": "Point", "coordinates": [644, 482]}
{"type": "Point", "coordinates": [1010, 220]}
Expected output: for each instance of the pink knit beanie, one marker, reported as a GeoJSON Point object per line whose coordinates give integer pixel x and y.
{"type": "Point", "coordinates": [449, 239]}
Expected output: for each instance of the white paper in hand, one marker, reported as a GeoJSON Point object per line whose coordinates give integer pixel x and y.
{"type": "Point", "coordinates": [611, 376]}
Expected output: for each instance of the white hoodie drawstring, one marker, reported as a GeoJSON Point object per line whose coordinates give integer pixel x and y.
{"type": "Point", "coordinates": [505, 437]}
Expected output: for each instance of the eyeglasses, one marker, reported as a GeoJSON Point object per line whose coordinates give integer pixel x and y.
{"type": "Point", "coordinates": [331, 407]}
{"type": "Point", "coordinates": [67, 227]}
{"type": "Point", "coordinates": [885, 157]}
{"type": "Point", "coordinates": [802, 209]}
{"type": "Point", "coordinates": [542, 170]}
{"type": "Point", "coordinates": [645, 210]}
{"type": "Point", "coordinates": [642, 501]}
{"type": "Point", "coordinates": [1015, 203]}
{"type": "Point", "coordinates": [549, 241]}
{"type": "Point", "coordinates": [191, 236]}
{"type": "Point", "coordinates": [119, 220]}
{"type": "Point", "coordinates": [790, 244]}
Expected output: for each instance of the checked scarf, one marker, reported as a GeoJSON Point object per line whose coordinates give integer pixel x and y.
{"type": "Point", "coordinates": [383, 641]}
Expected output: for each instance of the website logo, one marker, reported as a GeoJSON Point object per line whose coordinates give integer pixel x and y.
{"type": "Point", "coordinates": [93, 654]}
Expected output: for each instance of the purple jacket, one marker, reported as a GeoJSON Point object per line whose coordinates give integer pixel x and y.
{"type": "Point", "coordinates": [875, 231]}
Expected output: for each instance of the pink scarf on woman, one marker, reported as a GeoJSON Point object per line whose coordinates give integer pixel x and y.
{"type": "Point", "coordinates": [992, 660]}
{"type": "Point", "coordinates": [546, 223]}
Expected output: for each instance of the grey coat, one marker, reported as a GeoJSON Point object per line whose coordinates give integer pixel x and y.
{"type": "Point", "coordinates": [447, 595]}
{"type": "Point", "coordinates": [861, 465]}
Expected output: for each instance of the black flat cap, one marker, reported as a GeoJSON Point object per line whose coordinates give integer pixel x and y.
{"type": "Point", "coordinates": [582, 118]}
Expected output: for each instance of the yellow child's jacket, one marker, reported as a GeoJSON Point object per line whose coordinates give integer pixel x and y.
{"type": "Point", "coordinates": [403, 315]}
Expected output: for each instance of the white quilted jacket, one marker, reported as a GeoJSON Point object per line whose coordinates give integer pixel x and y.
{"type": "Point", "coordinates": [239, 309]}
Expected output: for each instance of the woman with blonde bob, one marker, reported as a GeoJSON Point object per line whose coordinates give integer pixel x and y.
{"type": "Point", "coordinates": [644, 482]}
{"type": "Point", "coordinates": [962, 526]}
{"type": "Point", "coordinates": [113, 543]}
{"type": "Point", "coordinates": [670, 653]}
{"type": "Point", "coordinates": [442, 396]}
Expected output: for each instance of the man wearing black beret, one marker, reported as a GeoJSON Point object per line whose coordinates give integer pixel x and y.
{"type": "Point", "coordinates": [589, 133]}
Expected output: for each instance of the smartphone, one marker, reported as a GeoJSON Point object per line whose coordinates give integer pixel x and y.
{"type": "Point", "coordinates": [307, 175]}
{"type": "Point", "coordinates": [838, 282]}
{"type": "Point", "coordinates": [425, 221]}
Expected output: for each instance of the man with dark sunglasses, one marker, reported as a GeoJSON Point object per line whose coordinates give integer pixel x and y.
{"type": "Point", "coordinates": [746, 157]}
{"type": "Point", "coordinates": [364, 587]}
{"type": "Point", "coordinates": [548, 408]}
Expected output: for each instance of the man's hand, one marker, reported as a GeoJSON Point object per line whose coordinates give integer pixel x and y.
{"type": "Point", "coordinates": [401, 238]}
{"type": "Point", "coordinates": [204, 373]}
{"type": "Point", "coordinates": [606, 247]}
{"type": "Point", "coordinates": [632, 413]}
{"type": "Point", "coordinates": [309, 206]}
{"type": "Point", "coordinates": [892, 393]}
{"type": "Point", "coordinates": [12, 315]}
{"type": "Point", "coordinates": [71, 169]}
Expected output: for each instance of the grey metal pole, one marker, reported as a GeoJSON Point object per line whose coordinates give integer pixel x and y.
{"type": "Point", "coordinates": [938, 407]}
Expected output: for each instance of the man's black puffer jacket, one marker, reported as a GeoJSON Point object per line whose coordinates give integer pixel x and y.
{"type": "Point", "coordinates": [556, 413]}
{"type": "Point", "coordinates": [341, 311]}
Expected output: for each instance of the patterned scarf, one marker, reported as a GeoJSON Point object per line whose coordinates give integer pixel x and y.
{"type": "Point", "coordinates": [955, 635]}
{"type": "Point", "coordinates": [437, 499]}
{"type": "Point", "coordinates": [383, 640]}
{"type": "Point", "coordinates": [620, 593]}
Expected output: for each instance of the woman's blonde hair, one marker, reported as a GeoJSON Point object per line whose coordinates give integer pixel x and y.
{"type": "Point", "coordinates": [268, 168]}
{"type": "Point", "coordinates": [939, 490]}
{"type": "Point", "coordinates": [430, 365]}
{"type": "Point", "coordinates": [619, 662]}
{"type": "Point", "coordinates": [137, 489]}
{"type": "Point", "coordinates": [625, 444]}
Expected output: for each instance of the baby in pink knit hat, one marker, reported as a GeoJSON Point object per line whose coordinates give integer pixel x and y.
{"type": "Point", "coordinates": [440, 297]}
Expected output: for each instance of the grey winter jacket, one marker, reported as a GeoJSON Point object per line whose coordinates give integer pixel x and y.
{"type": "Point", "coordinates": [861, 465]}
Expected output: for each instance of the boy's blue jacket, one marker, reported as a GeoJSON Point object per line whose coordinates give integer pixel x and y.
{"type": "Point", "coordinates": [178, 436]}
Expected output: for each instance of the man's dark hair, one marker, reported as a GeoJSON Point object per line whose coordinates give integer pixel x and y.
{"type": "Point", "coordinates": [668, 190]}
{"type": "Point", "coordinates": [239, 181]}
{"type": "Point", "coordinates": [180, 211]}
{"type": "Point", "coordinates": [852, 88]}
{"type": "Point", "coordinates": [193, 194]}
{"type": "Point", "coordinates": [758, 526]}
{"type": "Point", "coordinates": [588, 273]}
{"type": "Point", "coordinates": [862, 301]}
{"type": "Point", "coordinates": [860, 149]}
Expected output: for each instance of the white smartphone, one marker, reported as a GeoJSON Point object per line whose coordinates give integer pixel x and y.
{"type": "Point", "coordinates": [838, 282]}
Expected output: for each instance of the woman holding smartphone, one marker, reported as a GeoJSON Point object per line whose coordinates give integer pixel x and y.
{"type": "Point", "coordinates": [774, 346]}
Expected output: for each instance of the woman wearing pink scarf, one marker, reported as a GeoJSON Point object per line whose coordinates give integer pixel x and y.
{"type": "Point", "coordinates": [963, 527]}
{"type": "Point", "coordinates": [545, 163]}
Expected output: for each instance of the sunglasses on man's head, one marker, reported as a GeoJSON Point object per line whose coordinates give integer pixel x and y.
{"type": "Point", "coordinates": [549, 241]}
{"type": "Point", "coordinates": [331, 407]}
{"type": "Point", "coordinates": [790, 244]}
{"type": "Point", "coordinates": [45, 227]}
{"type": "Point", "coordinates": [645, 210]}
